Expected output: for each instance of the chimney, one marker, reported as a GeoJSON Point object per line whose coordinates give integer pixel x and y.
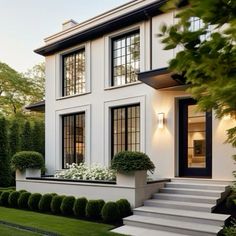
{"type": "Point", "coordinates": [68, 24]}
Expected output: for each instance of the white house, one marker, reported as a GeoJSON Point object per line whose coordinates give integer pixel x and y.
{"type": "Point", "coordinates": [107, 90]}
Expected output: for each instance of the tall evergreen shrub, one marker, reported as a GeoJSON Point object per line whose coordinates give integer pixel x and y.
{"type": "Point", "coordinates": [14, 137]}
{"type": "Point", "coordinates": [26, 137]}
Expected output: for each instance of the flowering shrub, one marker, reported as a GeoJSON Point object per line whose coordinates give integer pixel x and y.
{"type": "Point", "coordinates": [83, 172]}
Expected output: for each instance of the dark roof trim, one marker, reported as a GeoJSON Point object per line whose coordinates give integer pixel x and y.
{"type": "Point", "coordinates": [38, 106]}
{"type": "Point", "coordinates": [124, 20]}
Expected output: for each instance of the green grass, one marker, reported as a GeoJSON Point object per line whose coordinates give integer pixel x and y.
{"type": "Point", "coordinates": [57, 224]}
{"type": "Point", "coordinates": [8, 231]}
{"type": "Point", "coordinates": [8, 188]}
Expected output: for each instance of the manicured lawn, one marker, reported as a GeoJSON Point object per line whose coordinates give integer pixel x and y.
{"type": "Point", "coordinates": [57, 224]}
{"type": "Point", "coordinates": [9, 188]}
{"type": "Point", "coordinates": [8, 231]}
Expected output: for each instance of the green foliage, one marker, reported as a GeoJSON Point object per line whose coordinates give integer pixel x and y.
{"type": "Point", "coordinates": [230, 204]}
{"type": "Point", "coordinates": [124, 208]}
{"type": "Point", "coordinates": [27, 159]}
{"type": "Point", "coordinates": [230, 230]}
{"type": "Point", "coordinates": [4, 198]}
{"type": "Point", "coordinates": [33, 201]}
{"type": "Point", "coordinates": [110, 212]}
{"type": "Point", "coordinates": [26, 137]}
{"type": "Point", "coordinates": [208, 56]}
{"type": "Point", "coordinates": [127, 161]}
{"type": "Point", "coordinates": [5, 172]}
{"type": "Point", "coordinates": [23, 200]}
{"type": "Point", "coordinates": [14, 137]}
{"type": "Point", "coordinates": [37, 136]}
{"type": "Point", "coordinates": [45, 202]}
{"type": "Point", "coordinates": [67, 205]}
{"type": "Point", "coordinates": [13, 199]}
{"type": "Point", "coordinates": [56, 204]}
{"type": "Point", "coordinates": [94, 208]}
{"type": "Point", "coordinates": [80, 206]}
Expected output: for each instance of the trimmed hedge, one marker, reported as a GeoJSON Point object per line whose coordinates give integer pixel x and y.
{"type": "Point", "coordinates": [80, 206]}
{"type": "Point", "coordinates": [33, 202]}
{"type": "Point", "coordinates": [110, 212]}
{"type": "Point", "coordinates": [27, 159]}
{"type": "Point", "coordinates": [230, 204]}
{"type": "Point", "coordinates": [127, 161]}
{"type": "Point", "coordinates": [45, 202]}
{"type": "Point", "coordinates": [67, 205]}
{"type": "Point", "coordinates": [23, 200]}
{"type": "Point", "coordinates": [13, 199]}
{"type": "Point", "coordinates": [124, 208]}
{"type": "Point", "coordinates": [56, 204]}
{"type": "Point", "coordinates": [4, 198]}
{"type": "Point", "coordinates": [94, 208]}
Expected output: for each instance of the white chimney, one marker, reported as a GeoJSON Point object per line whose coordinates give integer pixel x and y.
{"type": "Point", "coordinates": [68, 24]}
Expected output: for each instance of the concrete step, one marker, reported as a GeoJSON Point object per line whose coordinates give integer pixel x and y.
{"type": "Point", "coordinates": [174, 226]}
{"type": "Point", "coordinates": [204, 207]}
{"type": "Point", "coordinates": [186, 198]}
{"type": "Point", "coordinates": [182, 215]}
{"type": "Point", "coordinates": [216, 187]}
{"type": "Point", "coordinates": [198, 192]}
{"type": "Point", "coordinates": [139, 231]}
{"type": "Point", "coordinates": [201, 181]}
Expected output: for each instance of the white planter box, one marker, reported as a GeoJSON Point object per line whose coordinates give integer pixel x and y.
{"type": "Point", "coordinates": [28, 173]}
{"type": "Point", "coordinates": [132, 179]}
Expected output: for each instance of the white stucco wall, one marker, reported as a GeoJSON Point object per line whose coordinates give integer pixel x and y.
{"type": "Point", "coordinates": [160, 145]}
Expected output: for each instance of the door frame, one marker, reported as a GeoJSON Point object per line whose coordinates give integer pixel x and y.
{"type": "Point", "coordinates": [184, 171]}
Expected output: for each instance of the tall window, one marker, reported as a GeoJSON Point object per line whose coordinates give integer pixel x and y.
{"type": "Point", "coordinates": [125, 58]}
{"type": "Point", "coordinates": [125, 128]}
{"type": "Point", "coordinates": [73, 138]}
{"type": "Point", "coordinates": [74, 73]}
{"type": "Point", "coordinates": [195, 24]}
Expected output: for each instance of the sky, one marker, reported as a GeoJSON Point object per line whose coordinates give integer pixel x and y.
{"type": "Point", "coordinates": [25, 23]}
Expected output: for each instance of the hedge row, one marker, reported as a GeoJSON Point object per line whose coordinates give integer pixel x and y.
{"type": "Point", "coordinates": [109, 212]}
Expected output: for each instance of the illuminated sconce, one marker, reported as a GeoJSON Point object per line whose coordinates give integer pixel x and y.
{"type": "Point", "coordinates": [160, 120]}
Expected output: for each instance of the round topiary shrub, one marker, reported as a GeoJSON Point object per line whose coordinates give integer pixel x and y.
{"type": "Point", "coordinates": [67, 205]}
{"type": "Point", "coordinates": [45, 202]}
{"type": "Point", "coordinates": [22, 191]}
{"type": "Point", "coordinates": [124, 208]}
{"type": "Point", "coordinates": [110, 212]}
{"type": "Point", "coordinates": [80, 206]}
{"type": "Point", "coordinates": [23, 200]}
{"type": "Point", "coordinates": [230, 201]}
{"type": "Point", "coordinates": [4, 198]}
{"type": "Point", "coordinates": [94, 208]}
{"type": "Point", "coordinates": [33, 202]}
{"type": "Point", "coordinates": [56, 204]}
{"type": "Point", "coordinates": [13, 199]}
{"type": "Point", "coordinates": [27, 159]}
{"type": "Point", "coordinates": [127, 161]}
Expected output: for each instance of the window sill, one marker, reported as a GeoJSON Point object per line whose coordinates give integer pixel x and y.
{"type": "Point", "coordinates": [72, 96]}
{"type": "Point", "coordinates": [122, 86]}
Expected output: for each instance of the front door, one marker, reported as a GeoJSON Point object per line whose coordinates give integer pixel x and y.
{"type": "Point", "coordinates": [195, 140]}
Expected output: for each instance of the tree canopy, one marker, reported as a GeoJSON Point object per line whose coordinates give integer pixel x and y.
{"type": "Point", "coordinates": [207, 55]}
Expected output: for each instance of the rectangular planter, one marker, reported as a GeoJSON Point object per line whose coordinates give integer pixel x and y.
{"type": "Point", "coordinates": [27, 173]}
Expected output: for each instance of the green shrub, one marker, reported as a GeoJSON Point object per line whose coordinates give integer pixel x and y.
{"type": "Point", "coordinates": [33, 202]}
{"type": "Point", "coordinates": [124, 208]}
{"type": "Point", "coordinates": [110, 212]}
{"type": "Point", "coordinates": [4, 198]}
{"type": "Point", "coordinates": [56, 204]}
{"type": "Point", "coordinates": [45, 202]}
{"type": "Point", "coordinates": [94, 208]}
{"type": "Point", "coordinates": [22, 191]}
{"type": "Point", "coordinates": [230, 204]}
{"type": "Point", "coordinates": [13, 199]}
{"type": "Point", "coordinates": [67, 205]}
{"type": "Point", "coordinates": [27, 159]}
{"type": "Point", "coordinates": [23, 200]}
{"type": "Point", "coordinates": [127, 161]}
{"type": "Point", "coordinates": [80, 206]}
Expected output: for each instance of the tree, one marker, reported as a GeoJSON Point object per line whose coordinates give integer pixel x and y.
{"type": "Point", "coordinates": [5, 172]}
{"type": "Point", "coordinates": [38, 137]}
{"type": "Point", "coordinates": [26, 137]}
{"type": "Point", "coordinates": [14, 137]}
{"type": "Point", "coordinates": [208, 55]}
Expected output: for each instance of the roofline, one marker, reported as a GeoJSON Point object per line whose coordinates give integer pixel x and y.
{"type": "Point", "coordinates": [132, 17]}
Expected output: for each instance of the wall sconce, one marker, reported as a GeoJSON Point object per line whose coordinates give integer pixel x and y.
{"type": "Point", "coordinates": [160, 120]}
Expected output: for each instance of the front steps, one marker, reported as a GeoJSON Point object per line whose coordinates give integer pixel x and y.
{"type": "Point", "coordinates": [182, 207]}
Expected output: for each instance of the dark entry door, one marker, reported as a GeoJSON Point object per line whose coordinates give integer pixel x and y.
{"type": "Point", "coordinates": [195, 140]}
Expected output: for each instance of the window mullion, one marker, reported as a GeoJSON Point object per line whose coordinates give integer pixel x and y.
{"type": "Point", "coordinates": [126, 128]}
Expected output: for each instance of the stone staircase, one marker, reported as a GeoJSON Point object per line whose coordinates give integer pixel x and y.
{"type": "Point", "coordinates": [182, 207]}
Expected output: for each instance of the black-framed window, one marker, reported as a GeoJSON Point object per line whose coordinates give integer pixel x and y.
{"type": "Point", "coordinates": [73, 138]}
{"type": "Point", "coordinates": [74, 73]}
{"type": "Point", "coordinates": [125, 130]}
{"type": "Point", "coordinates": [125, 58]}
